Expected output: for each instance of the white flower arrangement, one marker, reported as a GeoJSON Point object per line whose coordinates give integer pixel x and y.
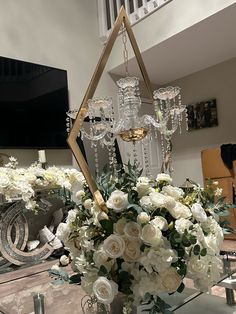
{"type": "Point", "coordinates": [150, 238]}
{"type": "Point", "coordinates": [23, 183]}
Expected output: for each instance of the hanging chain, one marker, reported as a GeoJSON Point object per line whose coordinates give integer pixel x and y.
{"type": "Point", "coordinates": [125, 51]}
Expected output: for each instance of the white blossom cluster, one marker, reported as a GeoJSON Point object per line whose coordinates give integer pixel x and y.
{"type": "Point", "coordinates": [149, 246]}
{"type": "Point", "coordinates": [24, 182]}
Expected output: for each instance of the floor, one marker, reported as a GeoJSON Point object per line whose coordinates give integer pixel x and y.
{"type": "Point", "coordinates": [17, 289]}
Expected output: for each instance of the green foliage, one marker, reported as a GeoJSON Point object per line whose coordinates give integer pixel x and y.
{"type": "Point", "coordinates": [159, 306]}
{"type": "Point", "coordinates": [60, 276]}
{"type": "Point", "coordinates": [75, 279]}
{"type": "Point", "coordinates": [125, 282]}
{"type": "Point", "coordinates": [181, 288]}
{"type": "Point", "coordinates": [103, 271]}
{"type": "Point", "coordinates": [107, 226]}
{"type": "Point", "coordinates": [196, 249]}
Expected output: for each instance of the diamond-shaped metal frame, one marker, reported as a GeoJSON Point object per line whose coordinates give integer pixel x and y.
{"type": "Point", "coordinates": [122, 18]}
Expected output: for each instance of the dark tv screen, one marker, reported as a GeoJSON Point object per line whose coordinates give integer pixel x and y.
{"type": "Point", "coordinates": [33, 105]}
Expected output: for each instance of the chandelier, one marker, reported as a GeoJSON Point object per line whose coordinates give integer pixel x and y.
{"type": "Point", "coordinates": [103, 127]}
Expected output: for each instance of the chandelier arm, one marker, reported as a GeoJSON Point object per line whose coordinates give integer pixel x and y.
{"type": "Point", "coordinates": [93, 137]}
{"type": "Point", "coordinates": [149, 120]}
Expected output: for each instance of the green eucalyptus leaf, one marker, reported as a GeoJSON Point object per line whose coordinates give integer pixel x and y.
{"type": "Point", "coordinates": [58, 282]}
{"type": "Point", "coordinates": [75, 279]}
{"type": "Point", "coordinates": [203, 252]}
{"type": "Point", "coordinates": [181, 288]}
{"type": "Point", "coordinates": [102, 271]}
{"type": "Point", "coordinates": [107, 225]}
{"type": "Point", "coordinates": [196, 249]}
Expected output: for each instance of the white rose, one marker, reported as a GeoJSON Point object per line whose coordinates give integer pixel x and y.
{"type": "Point", "coordinates": [100, 257]}
{"type": "Point", "coordinates": [151, 235]}
{"type": "Point", "coordinates": [71, 216]}
{"type": "Point", "coordinates": [171, 280]}
{"type": "Point", "coordinates": [173, 191]}
{"type": "Point", "coordinates": [63, 232]}
{"type": "Point", "coordinates": [145, 201]}
{"type": "Point", "coordinates": [64, 260]}
{"type": "Point", "coordinates": [105, 290]}
{"type": "Point", "coordinates": [132, 250]}
{"type": "Point", "coordinates": [197, 267]}
{"type": "Point", "coordinates": [114, 246]}
{"type": "Point", "coordinates": [160, 222]}
{"type": "Point", "coordinates": [213, 244]}
{"type": "Point", "coordinates": [132, 229]}
{"type": "Point", "coordinates": [88, 203]}
{"type": "Point", "coordinates": [180, 211]}
{"type": "Point", "coordinates": [163, 177]}
{"type": "Point", "coordinates": [198, 212]}
{"type": "Point", "coordinates": [211, 225]}
{"type": "Point", "coordinates": [119, 226]}
{"type": "Point", "coordinates": [197, 232]}
{"type": "Point", "coordinates": [143, 218]}
{"type": "Point", "coordinates": [169, 202]}
{"type": "Point", "coordinates": [182, 224]}
{"type": "Point", "coordinates": [143, 186]}
{"type": "Point", "coordinates": [159, 200]}
{"type": "Point", "coordinates": [118, 201]}
{"type": "Point", "coordinates": [102, 216]}
{"type": "Point", "coordinates": [79, 195]}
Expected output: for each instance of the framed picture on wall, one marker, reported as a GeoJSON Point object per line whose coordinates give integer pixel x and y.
{"type": "Point", "coordinates": [202, 115]}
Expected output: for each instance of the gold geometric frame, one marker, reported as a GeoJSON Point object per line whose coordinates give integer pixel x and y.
{"type": "Point", "coordinates": [121, 18]}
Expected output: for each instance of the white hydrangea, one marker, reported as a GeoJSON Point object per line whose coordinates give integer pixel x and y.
{"type": "Point", "coordinates": [182, 224]}
{"type": "Point", "coordinates": [158, 259]}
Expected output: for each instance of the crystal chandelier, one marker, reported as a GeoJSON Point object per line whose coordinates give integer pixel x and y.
{"type": "Point", "coordinates": [104, 127]}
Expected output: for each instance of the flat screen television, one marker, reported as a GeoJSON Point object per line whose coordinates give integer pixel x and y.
{"type": "Point", "coordinates": [33, 105]}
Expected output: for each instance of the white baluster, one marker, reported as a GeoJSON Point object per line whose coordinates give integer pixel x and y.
{"type": "Point", "coordinates": [101, 5]}
{"type": "Point", "coordinates": [145, 6]}
{"type": "Point", "coordinates": [112, 12]}
{"type": "Point", "coordinates": [155, 4]}
{"type": "Point", "coordinates": [136, 9]}
{"type": "Point", "coordinates": [118, 5]}
{"type": "Point", "coordinates": [127, 7]}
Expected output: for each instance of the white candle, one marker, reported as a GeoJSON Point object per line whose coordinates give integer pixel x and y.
{"type": "Point", "coordinates": [42, 156]}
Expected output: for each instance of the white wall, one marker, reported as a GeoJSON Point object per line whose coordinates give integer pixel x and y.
{"type": "Point", "coordinates": [215, 82]}
{"type": "Point", "coordinates": [57, 33]}
{"type": "Point", "coordinates": [168, 21]}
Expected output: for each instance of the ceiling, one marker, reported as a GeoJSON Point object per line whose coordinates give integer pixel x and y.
{"type": "Point", "coordinates": [204, 44]}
